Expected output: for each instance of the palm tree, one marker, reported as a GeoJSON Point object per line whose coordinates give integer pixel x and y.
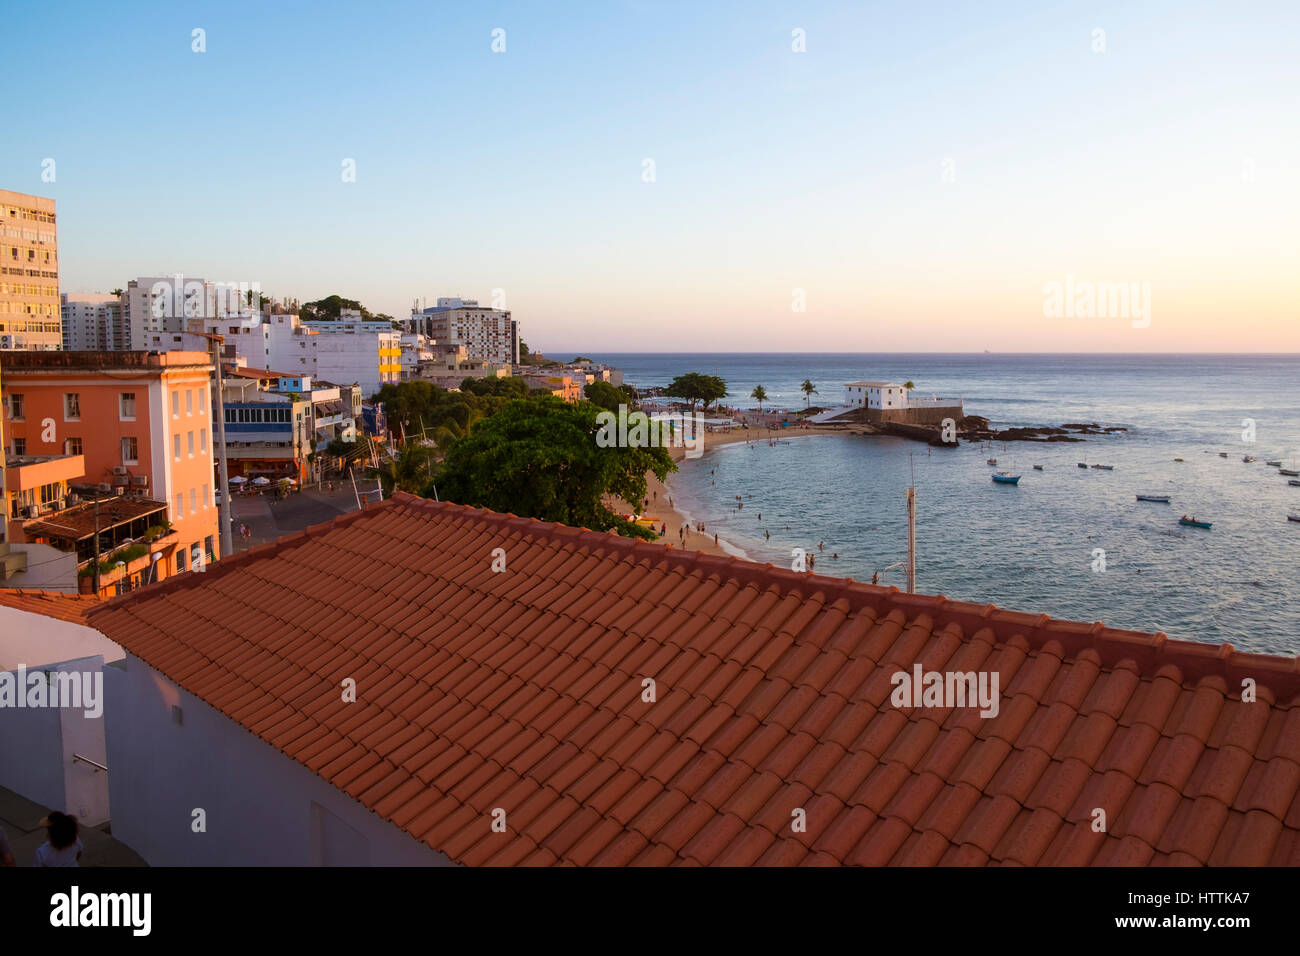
{"type": "Point", "coordinates": [808, 391]}
{"type": "Point", "coordinates": [909, 385]}
{"type": "Point", "coordinates": [759, 393]}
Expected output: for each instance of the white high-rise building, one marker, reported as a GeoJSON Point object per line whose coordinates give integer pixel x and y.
{"type": "Point", "coordinates": [92, 322]}
{"type": "Point", "coordinates": [488, 335]}
{"type": "Point", "coordinates": [343, 353]}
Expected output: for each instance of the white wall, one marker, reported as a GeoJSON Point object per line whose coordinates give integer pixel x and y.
{"type": "Point", "coordinates": [37, 744]}
{"type": "Point", "coordinates": [262, 808]}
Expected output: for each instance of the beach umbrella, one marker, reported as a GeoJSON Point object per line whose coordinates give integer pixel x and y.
{"type": "Point", "coordinates": [238, 480]}
{"type": "Point", "coordinates": [261, 480]}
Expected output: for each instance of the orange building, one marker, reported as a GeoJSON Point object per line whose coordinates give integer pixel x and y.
{"type": "Point", "coordinates": [142, 424]}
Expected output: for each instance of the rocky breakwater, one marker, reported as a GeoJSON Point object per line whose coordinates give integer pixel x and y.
{"type": "Point", "coordinates": [976, 428]}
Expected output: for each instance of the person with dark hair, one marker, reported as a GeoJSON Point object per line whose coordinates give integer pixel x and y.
{"type": "Point", "coordinates": [62, 846]}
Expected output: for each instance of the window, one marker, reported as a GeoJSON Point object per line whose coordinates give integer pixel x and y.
{"type": "Point", "coordinates": [203, 400]}
{"type": "Point", "coordinates": [207, 501]}
{"type": "Point", "coordinates": [16, 407]}
{"type": "Point", "coordinates": [180, 505]}
{"type": "Point", "coordinates": [189, 401]}
{"type": "Point", "coordinates": [126, 406]}
{"type": "Point", "coordinates": [207, 548]}
{"type": "Point", "coordinates": [203, 440]}
{"type": "Point", "coordinates": [20, 446]}
{"type": "Point", "coordinates": [194, 500]}
{"type": "Point", "coordinates": [180, 559]}
{"type": "Point", "coordinates": [176, 447]}
{"type": "Point", "coordinates": [189, 436]}
{"type": "Point", "coordinates": [71, 406]}
{"type": "Point", "coordinates": [130, 451]}
{"type": "Point", "coordinates": [72, 446]}
{"type": "Point", "coordinates": [176, 404]}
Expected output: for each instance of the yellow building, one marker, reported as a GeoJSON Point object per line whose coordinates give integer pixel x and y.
{"type": "Point", "coordinates": [29, 274]}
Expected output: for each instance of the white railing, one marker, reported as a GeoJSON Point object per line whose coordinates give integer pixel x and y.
{"type": "Point", "coordinates": [914, 402]}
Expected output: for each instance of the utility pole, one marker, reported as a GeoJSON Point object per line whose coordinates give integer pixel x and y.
{"type": "Point", "coordinates": [223, 474]}
{"type": "Point", "coordinates": [911, 534]}
{"type": "Point", "coordinates": [95, 554]}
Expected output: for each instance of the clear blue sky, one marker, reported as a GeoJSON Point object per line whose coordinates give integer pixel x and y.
{"type": "Point", "coordinates": [1172, 158]}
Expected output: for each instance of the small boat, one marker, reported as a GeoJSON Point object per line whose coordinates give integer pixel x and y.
{"type": "Point", "coordinates": [1289, 471]}
{"type": "Point", "coordinates": [1083, 464]}
{"type": "Point", "coordinates": [1038, 467]}
{"type": "Point", "coordinates": [1275, 464]}
{"type": "Point", "coordinates": [1223, 454]}
{"type": "Point", "coordinates": [1105, 467]}
{"type": "Point", "coordinates": [1293, 517]}
{"type": "Point", "coordinates": [1294, 481]}
{"type": "Point", "coordinates": [1163, 499]}
{"type": "Point", "coordinates": [992, 461]}
{"type": "Point", "coordinates": [1247, 458]}
{"type": "Point", "coordinates": [1193, 523]}
{"type": "Point", "coordinates": [1177, 459]}
{"type": "Point", "coordinates": [1006, 478]}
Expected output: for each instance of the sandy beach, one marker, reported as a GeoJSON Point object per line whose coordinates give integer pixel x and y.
{"type": "Point", "coordinates": [660, 494]}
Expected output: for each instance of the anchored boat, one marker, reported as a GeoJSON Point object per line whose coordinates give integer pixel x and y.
{"type": "Point", "coordinates": [1288, 471]}
{"type": "Point", "coordinates": [1083, 464]}
{"type": "Point", "coordinates": [1006, 478]}
{"type": "Point", "coordinates": [1193, 523]}
{"type": "Point", "coordinates": [1105, 467]}
{"type": "Point", "coordinates": [1038, 467]}
{"type": "Point", "coordinates": [1275, 464]}
{"type": "Point", "coordinates": [1163, 499]}
{"type": "Point", "coordinates": [992, 461]}
{"type": "Point", "coordinates": [1294, 481]}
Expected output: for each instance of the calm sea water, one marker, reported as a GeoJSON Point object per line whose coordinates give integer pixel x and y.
{"type": "Point", "coordinates": [1034, 546]}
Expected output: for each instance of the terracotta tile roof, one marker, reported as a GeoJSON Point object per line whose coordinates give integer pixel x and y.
{"type": "Point", "coordinates": [522, 690]}
{"type": "Point", "coordinates": [65, 607]}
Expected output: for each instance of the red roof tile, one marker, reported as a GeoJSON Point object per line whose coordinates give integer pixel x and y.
{"type": "Point", "coordinates": [523, 691]}
{"type": "Point", "coordinates": [65, 607]}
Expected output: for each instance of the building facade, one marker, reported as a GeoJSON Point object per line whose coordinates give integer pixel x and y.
{"type": "Point", "coordinates": [488, 335]}
{"type": "Point", "coordinates": [93, 322]}
{"type": "Point", "coordinates": [29, 273]}
{"type": "Point", "coordinates": [141, 422]}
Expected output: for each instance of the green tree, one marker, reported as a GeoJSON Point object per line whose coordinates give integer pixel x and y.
{"type": "Point", "coordinates": [409, 471]}
{"type": "Point", "coordinates": [809, 390]}
{"type": "Point", "coordinates": [759, 393]}
{"type": "Point", "coordinates": [539, 459]}
{"type": "Point", "coordinates": [696, 387]}
{"type": "Point", "coordinates": [331, 307]}
{"type": "Point", "coordinates": [578, 359]}
{"type": "Point", "coordinates": [605, 395]}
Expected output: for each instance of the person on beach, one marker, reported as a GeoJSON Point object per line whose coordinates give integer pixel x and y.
{"type": "Point", "coordinates": [715, 540]}
{"type": "Point", "coordinates": [768, 535]}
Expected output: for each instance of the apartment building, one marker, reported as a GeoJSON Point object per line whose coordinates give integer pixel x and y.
{"type": "Point", "coordinates": [489, 335]}
{"type": "Point", "coordinates": [340, 352]}
{"type": "Point", "coordinates": [141, 423]}
{"type": "Point", "coordinates": [93, 322]}
{"type": "Point", "coordinates": [29, 273]}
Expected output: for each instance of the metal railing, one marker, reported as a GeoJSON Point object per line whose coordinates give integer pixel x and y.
{"type": "Point", "coordinates": [97, 766]}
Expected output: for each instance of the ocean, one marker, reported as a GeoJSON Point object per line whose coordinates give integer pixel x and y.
{"type": "Point", "coordinates": [1071, 542]}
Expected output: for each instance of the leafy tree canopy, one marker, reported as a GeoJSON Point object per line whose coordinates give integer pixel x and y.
{"type": "Point", "coordinates": [697, 387]}
{"type": "Point", "coordinates": [605, 395]}
{"type": "Point", "coordinates": [539, 458]}
{"type": "Point", "coordinates": [332, 306]}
